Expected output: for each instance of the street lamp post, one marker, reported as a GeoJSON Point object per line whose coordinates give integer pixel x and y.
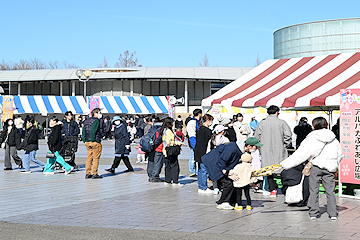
{"type": "Point", "coordinates": [87, 74]}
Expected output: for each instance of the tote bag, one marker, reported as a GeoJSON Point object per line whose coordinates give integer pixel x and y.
{"type": "Point", "coordinates": [294, 194]}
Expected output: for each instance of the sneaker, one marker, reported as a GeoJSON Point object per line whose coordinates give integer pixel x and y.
{"type": "Point", "coordinates": [194, 175]}
{"type": "Point", "coordinates": [88, 176]}
{"type": "Point", "coordinates": [249, 208]}
{"type": "Point", "coordinates": [48, 173]}
{"type": "Point", "coordinates": [157, 180]}
{"type": "Point", "coordinates": [167, 184]}
{"type": "Point", "coordinates": [266, 193]}
{"type": "Point", "coordinates": [110, 170]}
{"type": "Point", "coordinates": [216, 191]}
{"type": "Point", "coordinates": [69, 171]}
{"type": "Point", "coordinates": [207, 191]}
{"type": "Point", "coordinates": [145, 161]}
{"type": "Point", "coordinates": [273, 193]}
{"type": "Point", "coordinates": [225, 206]}
{"type": "Point", "coordinates": [8, 169]}
{"type": "Point", "coordinates": [238, 208]}
{"type": "Point", "coordinates": [20, 166]}
{"type": "Point", "coordinates": [312, 218]}
{"type": "Point", "coordinates": [128, 170]}
{"type": "Point", "coordinates": [96, 176]}
{"type": "Point", "coordinates": [334, 218]}
{"type": "Point", "coordinates": [177, 185]}
{"type": "Point", "coordinates": [24, 171]}
{"type": "Point", "coordinates": [138, 161]}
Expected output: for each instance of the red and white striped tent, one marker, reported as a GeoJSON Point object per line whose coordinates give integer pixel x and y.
{"type": "Point", "coordinates": [309, 83]}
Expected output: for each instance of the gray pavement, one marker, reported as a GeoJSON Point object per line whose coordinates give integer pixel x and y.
{"type": "Point", "coordinates": [126, 205]}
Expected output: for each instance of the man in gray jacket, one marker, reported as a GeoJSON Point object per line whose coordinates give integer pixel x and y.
{"type": "Point", "coordinates": [276, 135]}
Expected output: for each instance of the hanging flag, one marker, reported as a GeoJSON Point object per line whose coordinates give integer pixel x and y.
{"type": "Point", "coordinates": [8, 102]}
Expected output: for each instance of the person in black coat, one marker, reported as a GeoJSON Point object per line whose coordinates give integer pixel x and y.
{"type": "Point", "coordinates": [292, 177]}
{"type": "Point", "coordinates": [55, 144]}
{"type": "Point", "coordinates": [203, 135]}
{"type": "Point", "coordinates": [122, 146]}
{"type": "Point", "coordinates": [10, 138]}
{"type": "Point", "coordinates": [31, 145]}
{"type": "Point", "coordinates": [302, 130]}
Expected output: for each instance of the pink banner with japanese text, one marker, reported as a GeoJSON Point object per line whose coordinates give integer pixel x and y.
{"type": "Point", "coordinates": [349, 129]}
{"type": "Point", "coordinates": [94, 102]}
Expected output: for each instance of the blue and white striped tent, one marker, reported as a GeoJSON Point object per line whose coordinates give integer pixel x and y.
{"type": "Point", "coordinates": [49, 104]}
{"type": "Point", "coordinates": [133, 105]}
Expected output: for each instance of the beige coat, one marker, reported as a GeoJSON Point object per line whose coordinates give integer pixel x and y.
{"type": "Point", "coordinates": [243, 171]}
{"type": "Point", "coordinates": [245, 134]}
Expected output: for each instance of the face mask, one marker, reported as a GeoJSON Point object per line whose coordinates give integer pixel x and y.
{"type": "Point", "coordinates": [303, 124]}
{"type": "Point", "coordinates": [117, 122]}
{"type": "Point", "coordinates": [11, 123]}
{"type": "Point", "coordinates": [253, 150]}
{"type": "Point", "coordinates": [100, 115]}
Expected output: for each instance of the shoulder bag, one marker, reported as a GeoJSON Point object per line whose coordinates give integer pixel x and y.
{"type": "Point", "coordinates": [294, 194]}
{"type": "Point", "coordinates": [306, 170]}
{"type": "Point", "coordinates": [174, 150]}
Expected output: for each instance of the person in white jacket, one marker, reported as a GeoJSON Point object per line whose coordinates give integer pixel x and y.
{"type": "Point", "coordinates": [324, 151]}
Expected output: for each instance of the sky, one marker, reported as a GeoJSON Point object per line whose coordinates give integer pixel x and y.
{"type": "Point", "coordinates": [163, 33]}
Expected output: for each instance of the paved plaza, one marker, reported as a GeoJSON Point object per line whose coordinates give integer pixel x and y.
{"type": "Point", "coordinates": [127, 206]}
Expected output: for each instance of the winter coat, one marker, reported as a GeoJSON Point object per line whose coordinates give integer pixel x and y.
{"type": "Point", "coordinates": [70, 128]}
{"type": "Point", "coordinates": [330, 154]}
{"type": "Point", "coordinates": [219, 139]}
{"type": "Point", "coordinates": [191, 128]}
{"type": "Point", "coordinates": [31, 140]}
{"type": "Point", "coordinates": [243, 171]}
{"type": "Point", "coordinates": [276, 135]}
{"type": "Point", "coordinates": [231, 134]}
{"type": "Point", "coordinates": [122, 139]}
{"type": "Point", "coordinates": [245, 128]}
{"type": "Point", "coordinates": [301, 133]}
{"type": "Point", "coordinates": [55, 141]}
{"type": "Point", "coordinates": [14, 137]}
{"type": "Point", "coordinates": [224, 157]}
{"type": "Point", "coordinates": [202, 138]}
{"type": "Point", "coordinates": [168, 139]}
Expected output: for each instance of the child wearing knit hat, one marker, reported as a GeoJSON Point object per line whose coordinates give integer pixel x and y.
{"type": "Point", "coordinates": [243, 171]}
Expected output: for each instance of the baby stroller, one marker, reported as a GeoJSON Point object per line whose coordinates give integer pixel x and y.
{"type": "Point", "coordinates": [68, 150]}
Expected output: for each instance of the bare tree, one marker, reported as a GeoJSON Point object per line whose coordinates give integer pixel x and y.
{"type": "Point", "coordinates": [127, 60]}
{"type": "Point", "coordinates": [54, 65]}
{"type": "Point", "coordinates": [37, 64]}
{"type": "Point", "coordinates": [204, 62]}
{"type": "Point", "coordinates": [34, 64]}
{"type": "Point", "coordinates": [69, 65]}
{"type": "Point", "coordinates": [104, 64]}
{"type": "Point", "coordinates": [258, 61]}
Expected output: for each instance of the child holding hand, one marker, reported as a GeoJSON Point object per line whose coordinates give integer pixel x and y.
{"type": "Point", "coordinates": [140, 155]}
{"type": "Point", "coordinates": [243, 172]}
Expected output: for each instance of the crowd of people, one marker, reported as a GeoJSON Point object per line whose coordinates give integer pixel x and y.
{"type": "Point", "coordinates": [223, 152]}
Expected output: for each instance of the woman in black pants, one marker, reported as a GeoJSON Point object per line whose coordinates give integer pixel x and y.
{"type": "Point", "coordinates": [172, 169]}
{"type": "Point", "coordinates": [122, 146]}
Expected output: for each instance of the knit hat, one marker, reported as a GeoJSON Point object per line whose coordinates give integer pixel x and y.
{"type": "Point", "coordinates": [246, 157]}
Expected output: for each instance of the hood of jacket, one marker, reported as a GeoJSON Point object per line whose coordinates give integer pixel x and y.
{"type": "Point", "coordinates": [322, 135]}
{"type": "Point", "coordinates": [241, 145]}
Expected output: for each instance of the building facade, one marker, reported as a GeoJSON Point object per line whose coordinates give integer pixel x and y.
{"type": "Point", "coordinates": [192, 83]}
{"type": "Point", "coordinates": [317, 38]}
